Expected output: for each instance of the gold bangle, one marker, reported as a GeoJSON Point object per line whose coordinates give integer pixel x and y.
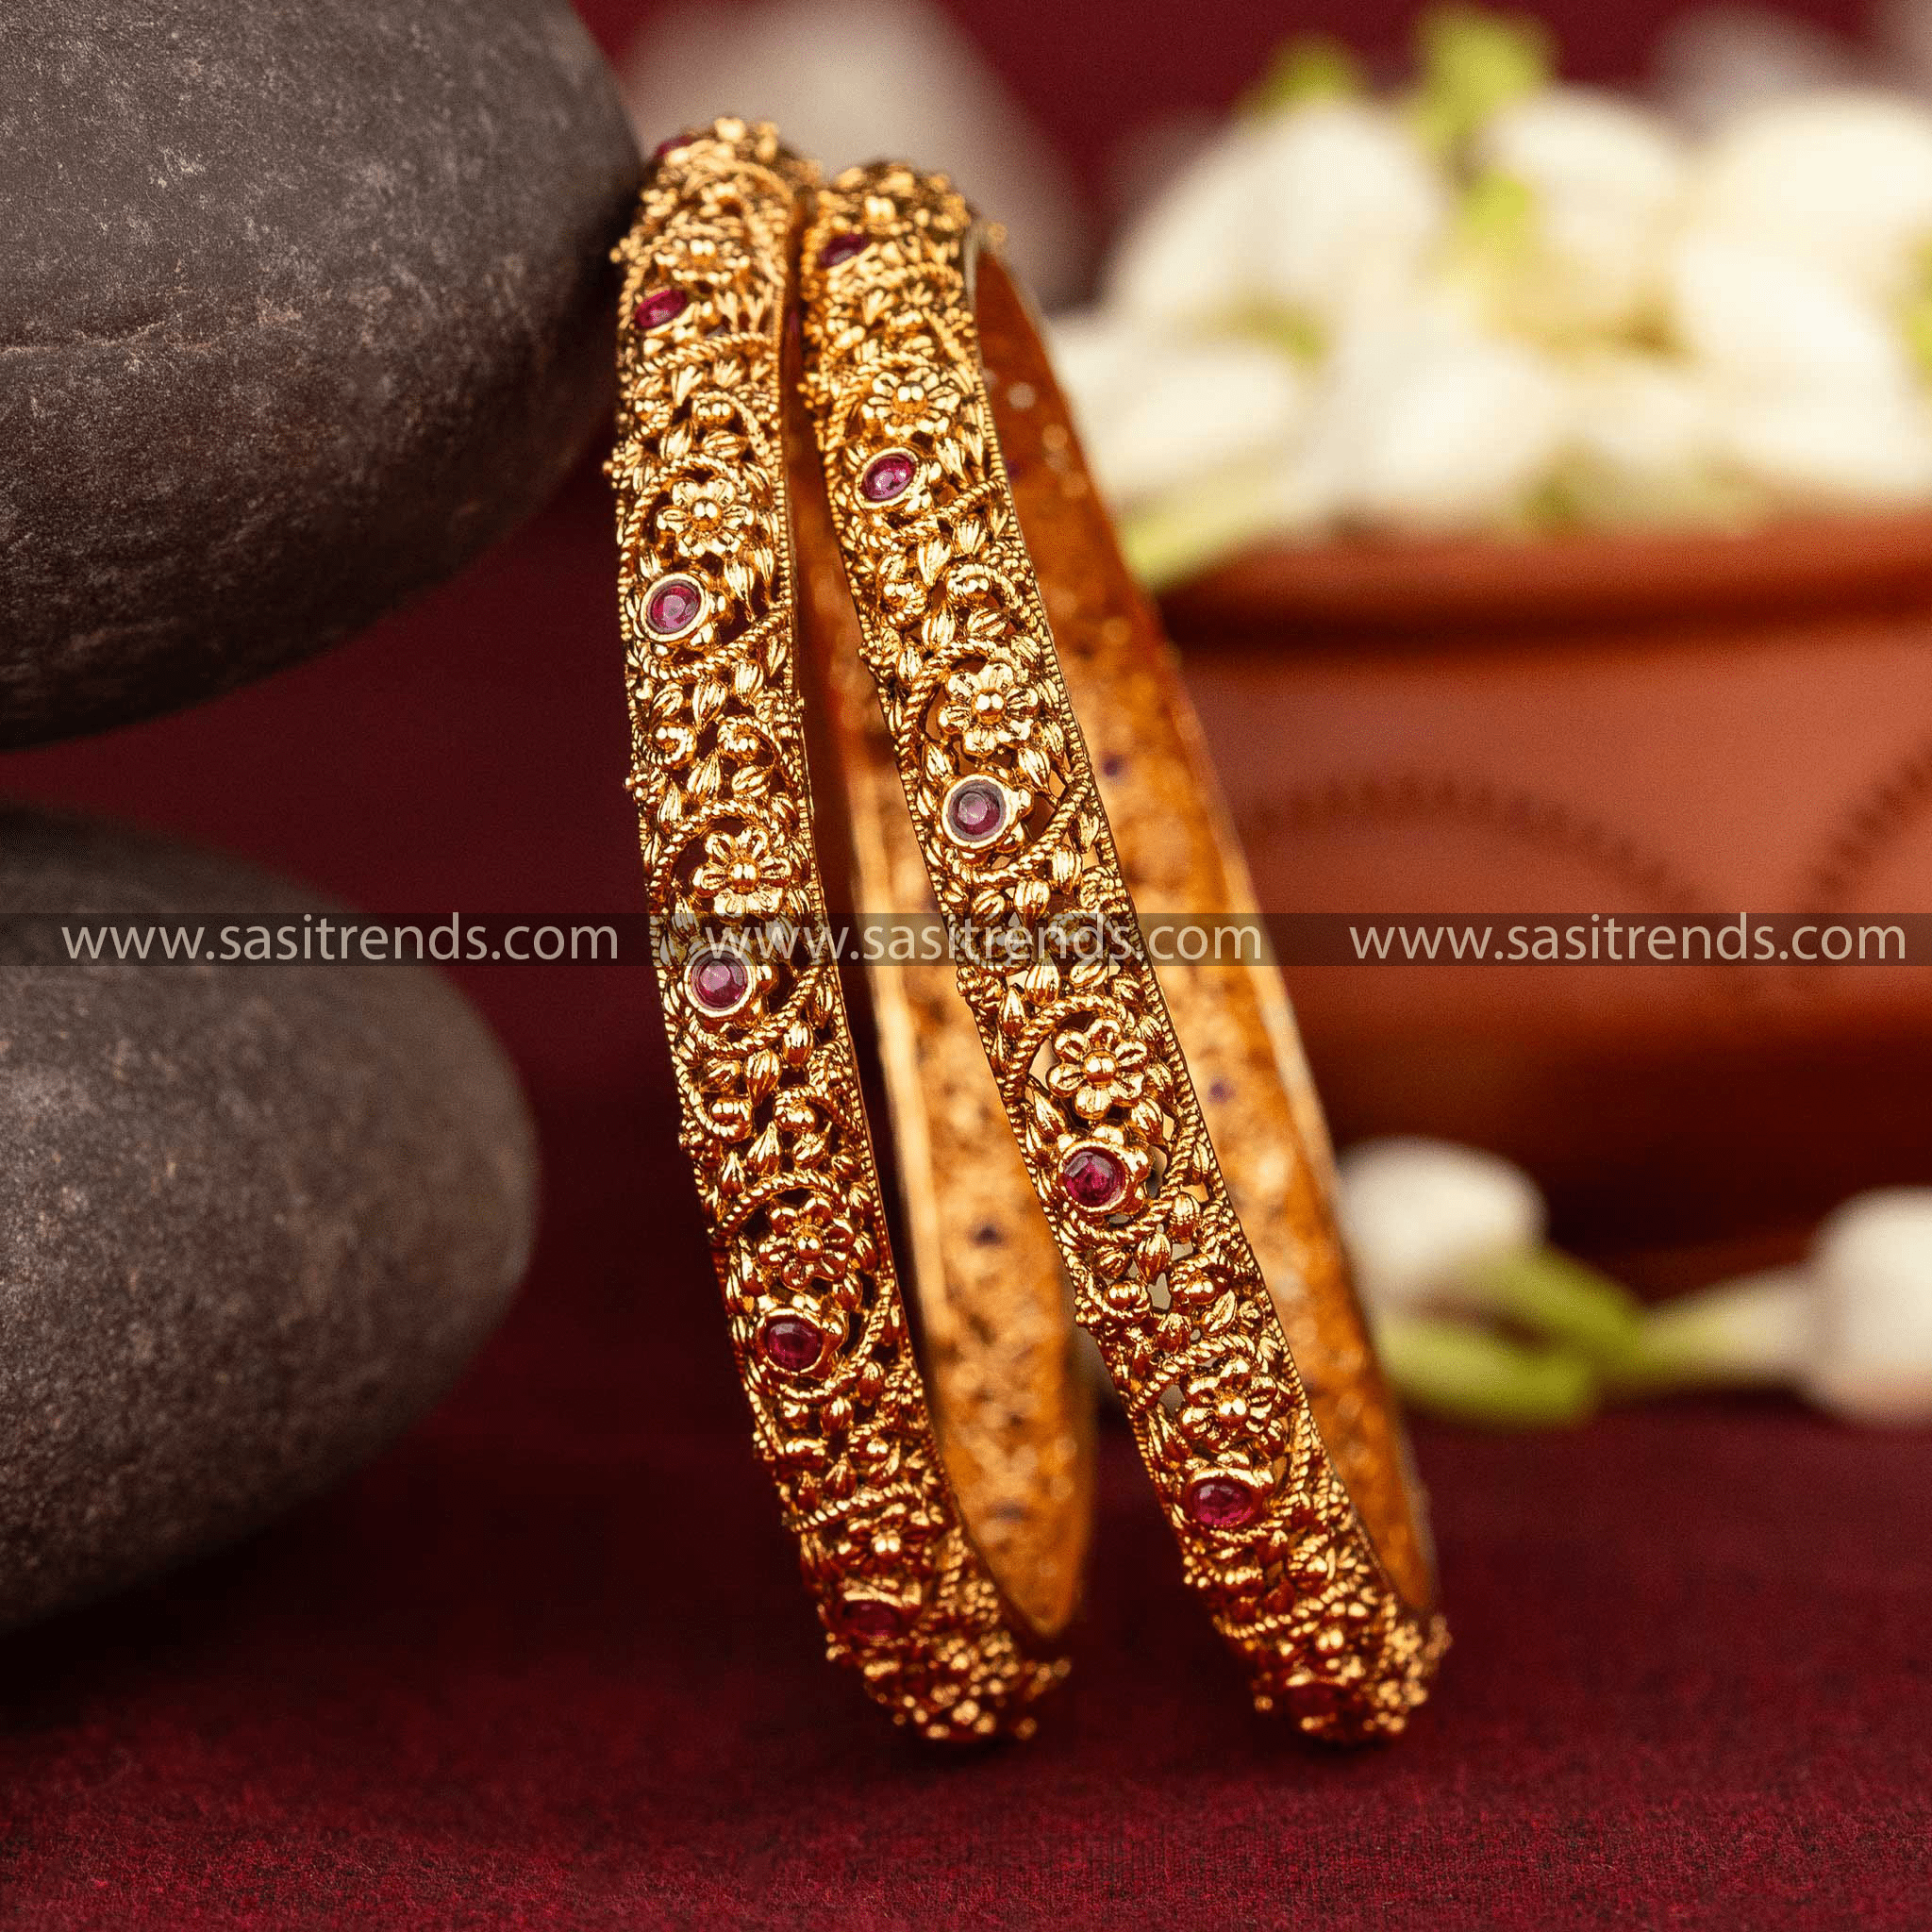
{"type": "Point", "coordinates": [771, 1112]}
{"type": "Point", "coordinates": [1012, 1404]}
{"type": "Point", "coordinates": [1296, 1516]}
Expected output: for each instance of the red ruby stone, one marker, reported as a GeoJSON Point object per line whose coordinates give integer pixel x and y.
{"type": "Point", "coordinates": [793, 1343]}
{"type": "Point", "coordinates": [871, 1620]}
{"type": "Point", "coordinates": [976, 809]}
{"type": "Point", "coordinates": [1094, 1178]}
{"type": "Point", "coordinates": [886, 476]}
{"type": "Point", "coordinates": [1223, 1501]}
{"type": "Point", "coordinates": [673, 607]}
{"type": "Point", "coordinates": [670, 144]}
{"type": "Point", "coordinates": [659, 307]}
{"type": "Point", "coordinates": [718, 981]}
{"type": "Point", "coordinates": [840, 248]}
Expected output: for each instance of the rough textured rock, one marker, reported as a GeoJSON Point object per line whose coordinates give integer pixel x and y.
{"type": "Point", "coordinates": [253, 1219]}
{"type": "Point", "coordinates": [302, 306]}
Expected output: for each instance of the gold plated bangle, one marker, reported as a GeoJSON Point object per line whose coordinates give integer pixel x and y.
{"type": "Point", "coordinates": [1295, 1514]}
{"type": "Point", "coordinates": [951, 1642]}
{"type": "Point", "coordinates": [1012, 1404]}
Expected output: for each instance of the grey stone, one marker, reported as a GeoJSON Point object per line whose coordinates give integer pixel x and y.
{"type": "Point", "coordinates": [254, 1219]}
{"type": "Point", "coordinates": [300, 308]}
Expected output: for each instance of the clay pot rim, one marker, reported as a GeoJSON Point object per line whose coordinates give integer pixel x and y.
{"type": "Point", "coordinates": [1391, 583]}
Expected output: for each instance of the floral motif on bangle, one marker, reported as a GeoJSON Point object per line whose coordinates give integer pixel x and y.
{"type": "Point", "coordinates": [812, 1244]}
{"type": "Point", "coordinates": [1233, 1397]}
{"type": "Point", "coordinates": [988, 708]}
{"type": "Point", "coordinates": [1098, 1070]}
{"type": "Point", "coordinates": [705, 516]}
{"type": "Point", "coordinates": [743, 874]}
{"type": "Point", "coordinates": [901, 409]}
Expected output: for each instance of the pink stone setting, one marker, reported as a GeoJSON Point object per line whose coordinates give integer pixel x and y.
{"type": "Point", "coordinates": [793, 1343]}
{"type": "Point", "coordinates": [976, 810]}
{"type": "Point", "coordinates": [1220, 1501]}
{"type": "Point", "coordinates": [718, 981]}
{"type": "Point", "coordinates": [659, 307]}
{"type": "Point", "coordinates": [673, 606]}
{"type": "Point", "coordinates": [841, 248]}
{"type": "Point", "coordinates": [1093, 1178]}
{"type": "Point", "coordinates": [889, 477]}
{"type": "Point", "coordinates": [871, 1619]}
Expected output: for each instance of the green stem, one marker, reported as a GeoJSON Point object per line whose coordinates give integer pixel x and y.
{"type": "Point", "coordinates": [1475, 1374]}
{"type": "Point", "coordinates": [1554, 1295]}
{"type": "Point", "coordinates": [1757, 1332]}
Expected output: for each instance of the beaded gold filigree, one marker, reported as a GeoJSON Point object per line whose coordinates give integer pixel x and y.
{"type": "Point", "coordinates": [1084, 1052]}
{"type": "Point", "coordinates": [768, 1085]}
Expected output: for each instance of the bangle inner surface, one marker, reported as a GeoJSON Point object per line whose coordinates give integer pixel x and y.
{"type": "Point", "coordinates": [1011, 1398]}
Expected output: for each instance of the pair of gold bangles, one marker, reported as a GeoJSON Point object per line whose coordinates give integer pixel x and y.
{"type": "Point", "coordinates": [835, 422]}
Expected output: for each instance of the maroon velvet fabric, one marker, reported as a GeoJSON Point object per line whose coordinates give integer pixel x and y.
{"type": "Point", "coordinates": [547, 1663]}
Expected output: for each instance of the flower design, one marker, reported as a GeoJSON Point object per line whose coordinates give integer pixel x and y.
{"type": "Point", "coordinates": [813, 1243]}
{"type": "Point", "coordinates": [1228, 1399]}
{"type": "Point", "coordinates": [902, 407]}
{"type": "Point", "coordinates": [988, 708]}
{"type": "Point", "coordinates": [706, 515]}
{"type": "Point", "coordinates": [743, 874]}
{"type": "Point", "coordinates": [1098, 1070]}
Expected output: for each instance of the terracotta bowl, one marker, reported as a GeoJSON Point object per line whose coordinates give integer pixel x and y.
{"type": "Point", "coordinates": [1639, 726]}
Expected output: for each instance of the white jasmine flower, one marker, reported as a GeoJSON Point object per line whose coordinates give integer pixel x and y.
{"type": "Point", "coordinates": [1647, 444]}
{"type": "Point", "coordinates": [1851, 1328]}
{"type": "Point", "coordinates": [1432, 1226]}
{"type": "Point", "coordinates": [1425, 423]}
{"type": "Point", "coordinates": [1603, 180]}
{"type": "Point", "coordinates": [1833, 450]}
{"type": "Point", "coordinates": [1500, 297]}
{"type": "Point", "coordinates": [1317, 210]}
{"type": "Point", "coordinates": [1099, 355]}
{"type": "Point", "coordinates": [1158, 413]}
{"type": "Point", "coordinates": [1872, 1264]}
{"type": "Point", "coordinates": [1417, 1214]}
{"type": "Point", "coordinates": [1768, 322]}
{"type": "Point", "coordinates": [1186, 258]}
{"type": "Point", "coordinates": [1841, 179]}
{"type": "Point", "coordinates": [1352, 209]}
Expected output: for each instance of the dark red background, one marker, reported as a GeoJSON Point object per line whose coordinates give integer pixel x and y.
{"type": "Point", "coordinates": [1090, 70]}
{"type": "Point", "coordinates": [547, 1664]}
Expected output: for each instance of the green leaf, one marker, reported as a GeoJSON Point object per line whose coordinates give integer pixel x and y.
{"type": "Point", "coordinates": [1473, 64]}
{"type": "Point", "coordinates": [1498, 214]}
{"type": "Point", "coordinates": [1918, 316]}
{"type": "Point", "coordinates": [1308, 67]}
{"type": "Point", "coordinates": [1297, 334]}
